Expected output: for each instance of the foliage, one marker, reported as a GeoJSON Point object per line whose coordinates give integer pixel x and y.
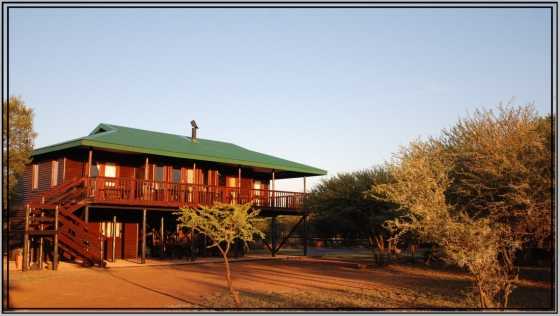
{"type": "Point", "coordinates": [479, 192]}
{"type": "Point", "coordinates": [223, 224]}
{"type": "Point", "coordinates": [341, 207]}
{"type": "Point", "coordinates": [17, 124]}
{"type": "Point", "coordinates": [503, 170]}
{"type": "Point", "coordinates": [421, 181]}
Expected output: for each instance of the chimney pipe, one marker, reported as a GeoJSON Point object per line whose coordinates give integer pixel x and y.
{"type": "Point", "coordinates": [194, 128]}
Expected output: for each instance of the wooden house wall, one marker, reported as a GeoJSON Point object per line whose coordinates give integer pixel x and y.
{"type": "Point", "coordinates": [73, 165]}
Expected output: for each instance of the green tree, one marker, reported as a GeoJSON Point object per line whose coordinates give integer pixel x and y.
{"type": "Point", "coordinates": [17, 143]}
{"type": "Point", "coordinates": [341, 206]}
{"type": "Point", "coordinates": [223, 224]}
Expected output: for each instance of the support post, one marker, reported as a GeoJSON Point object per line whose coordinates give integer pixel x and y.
{"type": "Point", "coordinates": [55, 247]}
{"type": "Point", "coordinates": [101, 247]}
{"type": "Point", "coordinates": [144, 215]}
{"type": "Point", "coordinates": [86, 214]}
{"type": "Point", "coordinates": [273, 235]}
{"type": "Point", "coordinates": [41, 244]}
{"type": "Point", "coordinates": [114, 231]}
{"type": "Point", "coordinates": [305, 228]}
{"type": "Point", "coordinates": [90, 157]}
{"type": "Point", "coordinates": [193, 245]}
{"type": "Point", "coordinates": [162, 241]}
{"type": "Point", "coordinates": [25, 265]}
{"type": "Point", "coordinates": [146, 169]}
{"type": "Point", "coordinates": [273, 188]}
{"type": "Point", "coordinates": [239, 185]}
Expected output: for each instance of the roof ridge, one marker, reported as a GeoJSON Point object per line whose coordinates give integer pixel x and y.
{"type": "Point", "coordinates": [166, 133]}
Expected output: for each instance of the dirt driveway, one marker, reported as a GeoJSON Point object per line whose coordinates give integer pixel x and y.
{"type": "Point", "coordinates": [263, 284]}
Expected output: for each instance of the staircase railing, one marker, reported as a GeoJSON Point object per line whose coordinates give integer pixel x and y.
{"type": "Point", "coordinates": [73, 231]}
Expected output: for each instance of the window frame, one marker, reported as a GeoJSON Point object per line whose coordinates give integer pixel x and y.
{"type": "Point", "coordinates": [54, 173]}
{"type": "Point", "coordinates": [35, 176]}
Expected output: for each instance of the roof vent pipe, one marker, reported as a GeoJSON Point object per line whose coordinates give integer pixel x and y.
{"type": "Point", "coordinates": [194, 128]}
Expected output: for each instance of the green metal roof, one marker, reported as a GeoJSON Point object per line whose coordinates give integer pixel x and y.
{"type": "Point", "coordinates": [108, 136]}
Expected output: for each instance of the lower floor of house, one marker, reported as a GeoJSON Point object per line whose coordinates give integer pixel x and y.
{"type": "Point", "coordinates": [122, 229]}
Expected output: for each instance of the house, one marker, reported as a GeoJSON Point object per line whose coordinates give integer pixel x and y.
{"type": "Point", "coordinates": [112, 193]}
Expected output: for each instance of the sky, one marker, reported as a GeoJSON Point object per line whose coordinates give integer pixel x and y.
{"type": "Point", "coordinates": [338, 89]}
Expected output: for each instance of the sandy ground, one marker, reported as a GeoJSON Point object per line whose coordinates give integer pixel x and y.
{"type": "Point", "coordinates": [263, 284]}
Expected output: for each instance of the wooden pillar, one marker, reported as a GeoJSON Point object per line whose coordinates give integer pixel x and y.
{"type": "Point", "coordinates": [63, 169]}
{"type": "Point", "coordinates": [144, 215]}
{"type": "Point", "coordinates": [86, 214]}
{"type": "Point", "coordinates": [273, 234]}
{"type": "Point", "coordinates": [239, 185]}
{"type": "Point", "coordinates": [305, 234]}
{"type": "Point", "coordinates": [193, 244]}
{"type": "Point", "coordinates": [146, 169]}
{"type": "Point", "coordinates": [41, 244]}
{"type": "Point", "coordinates": [162, 240]}
{"type": "Point", "coordinates": [194, 190]}
{"type": "Point", "coordinates": [304, 184]}
{"type": "Point", "coordinates": [90, 160]}
{"type": "Point", "coordinates": [25, 265]}
{"type": "Point", "coordinates": [273, 188]}
{"type": "Point", "coordinates": [101, 247]}
{"type": "Point", "coordinates": [114, 241]}
{"type": "Point", "coordinates": [55, 241]}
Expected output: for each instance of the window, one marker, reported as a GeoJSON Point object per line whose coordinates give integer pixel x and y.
{"type": "Point", "coordinates": [54, 173]}
{"type": "Point", "coordinates": [110, 170]}
{"type": "Point", "coordinates": [158, 173]}
{"type": "Point", "coordinates": [176, 175]}
{"type": "Point", "coordinates": [35, 177]}
{"type": "Point", "coordinates": [232, 182]}
{"type": "Point", "coordinates": [94, 171]}
{"type": "Point", "coordinates": [107, 229]}
{"type": "Point", "coordinates": [190, 176]}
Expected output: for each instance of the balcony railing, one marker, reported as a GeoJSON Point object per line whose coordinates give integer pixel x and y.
{"type": "Point", "coordinates": [131, 191]}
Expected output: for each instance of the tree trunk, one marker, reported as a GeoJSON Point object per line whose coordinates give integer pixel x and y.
{"type": "Point", "coordinates": [234, 294]}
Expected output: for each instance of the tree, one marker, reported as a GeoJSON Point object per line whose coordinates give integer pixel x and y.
{"type": "Point", "coordinates": [223, 224]}
{"type": "Point", "coordinates": [17, 143]}
{"type": "Point", "coordinates": [341, 206]}
{"type": "Point", "coordinates": [485, 248]}
{"type": "Point", "coordinates": [503, 170]}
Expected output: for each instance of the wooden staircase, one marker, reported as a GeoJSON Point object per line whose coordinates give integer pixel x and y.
{"type": "Point", "coordinates": [52, 221]}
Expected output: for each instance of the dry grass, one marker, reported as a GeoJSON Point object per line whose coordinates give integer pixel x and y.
{"type": "Point", "coordinates": [265, 285]}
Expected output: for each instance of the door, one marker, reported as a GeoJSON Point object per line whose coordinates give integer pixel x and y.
{"type": "Point", "coordinates": [107, 231]}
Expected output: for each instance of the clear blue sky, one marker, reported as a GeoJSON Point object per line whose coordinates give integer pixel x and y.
{"type": "Point", "coordinates": [337, 89]}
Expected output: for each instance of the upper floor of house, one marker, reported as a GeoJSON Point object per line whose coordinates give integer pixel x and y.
{"type": "Point", "coordinates": [126, 166]}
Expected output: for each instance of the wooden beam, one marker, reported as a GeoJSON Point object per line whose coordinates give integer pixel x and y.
{"type": "Point", "coordinates": [86, 214]}
{"type": "Point", "coordinates": [41, 244]}
{"type": "Point", "coordinates": [90, 157]}
{"type": "Point", "coordinates": [267, 245]}
{"type": "Point", "coordinates": [55, 247]}
{"type": "Point", "coordinates": [273, 189]}
{"type": "Point", "coordinates": [114, 238]}
{"type": "Point", "coordinates": [305, 237]}
{"type": "Point", "coordinates": [162, 239]}
{"type": "Point", "coordinates": [25, 265]}
{"type": "Point", "coordinates": [144, 215]}
{"type": "Point", "coordinates": [63, 170]}
{"type": "Point", "coordinates": [273, 234]}
{"type": "Point", "coordinates": [146, 169]}
{"type": "Point", "coordinates": [289, 234]}
{"type": "Point", "coordinates": [193, 244]}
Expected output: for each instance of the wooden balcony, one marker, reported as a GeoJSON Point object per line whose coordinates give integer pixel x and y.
{"type": "Point", "coordinates": [137, 192]}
